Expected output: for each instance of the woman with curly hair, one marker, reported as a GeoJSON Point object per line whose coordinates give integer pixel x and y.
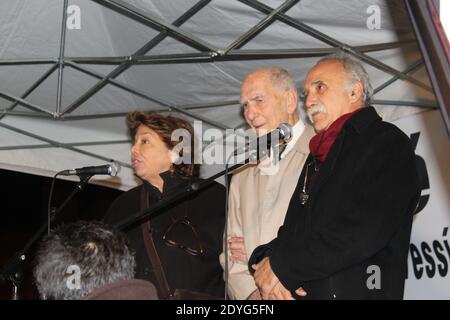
{"type": "Point", "coordinates": [178, 248]}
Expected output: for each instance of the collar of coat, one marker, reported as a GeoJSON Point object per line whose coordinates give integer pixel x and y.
{"type": "Point", "coordinates": [363, 119]}
{"type": "Point", "coordinates": [172, 182]}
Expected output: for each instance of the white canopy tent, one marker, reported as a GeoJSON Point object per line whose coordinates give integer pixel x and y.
{"type": "Point", "coordinates": [65, 87]}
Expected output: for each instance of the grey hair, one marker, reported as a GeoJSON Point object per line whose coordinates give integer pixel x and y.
{"type": "Point", "coordinates": [100, 252]}
{"type": "Point", "coordinates": [281, 78]}
{"type": "Point", "coordinates": [355, 72]}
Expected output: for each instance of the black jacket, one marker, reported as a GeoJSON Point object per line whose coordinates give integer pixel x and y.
{"type": "Point", "coordinates": [204, 210]}
{"type": "Point", "coordinates": [355, 228]}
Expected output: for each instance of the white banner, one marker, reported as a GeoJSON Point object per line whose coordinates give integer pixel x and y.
{"type": "Point", "coordinates": [429, 253]}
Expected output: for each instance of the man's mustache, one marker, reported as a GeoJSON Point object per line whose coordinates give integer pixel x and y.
{"type": "Point", "coordinates": [315, 109]}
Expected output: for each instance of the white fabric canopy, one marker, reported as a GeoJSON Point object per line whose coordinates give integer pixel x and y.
{"type": "Point", "coordinates": [193, 68]}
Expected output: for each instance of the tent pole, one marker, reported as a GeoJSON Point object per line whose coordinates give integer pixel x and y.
{"type": "Point", "coordinates": [17, 62]}
{"type": "Point", "coordinates": [73, 144]}
{"type": "Point", "coordinates": [24, 103]}
{"type": "Point", "coordinates": [232, 55]}
{"type": "Point", "coordinates": [270, 54]}
{"type": "Point", "coordinates": [416, 65]}
{"type": "Point", "coordinates": [420, 104]}
{"type": "Point", "coordinates": [62, 45]}
{"type": "Point", "coordinates": [435, 50]}
{"type": "Point", "coordinates": [24, 114]}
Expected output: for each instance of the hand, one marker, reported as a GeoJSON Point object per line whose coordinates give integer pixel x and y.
{"type": "Point", "coordinates": [265, 279]}
{"type": "Point", "coordinates": [269, 285]}
{"type": "Point", "coordinates": [255, 295]}
{"type": "Point", "coordinates": [301, 292]}
{"type": "Point", "coordinates": [237, 249]}
{"type": "Point", "coordinates": [279, 292]}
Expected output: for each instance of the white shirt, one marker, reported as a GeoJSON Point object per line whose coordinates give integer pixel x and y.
{"type": "Point", "coordinates": [297, 131]}
{"type": "Point", "coordinates": [270, 165]}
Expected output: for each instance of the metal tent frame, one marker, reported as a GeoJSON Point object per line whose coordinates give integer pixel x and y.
{"type": "Point", "coordinates": [206, 53]}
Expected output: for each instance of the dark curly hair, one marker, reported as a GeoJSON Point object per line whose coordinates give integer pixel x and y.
{"type": "Point", "coordinates": [164, 127]}
{"type": "Point", "coordinates": [100, 253]}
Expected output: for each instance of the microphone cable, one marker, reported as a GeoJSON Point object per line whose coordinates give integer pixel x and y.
{"type": "Point", "coordinates": [49, 206]}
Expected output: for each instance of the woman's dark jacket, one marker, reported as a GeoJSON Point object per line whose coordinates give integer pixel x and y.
{"type": "Point", "coordinates": [204, 210]}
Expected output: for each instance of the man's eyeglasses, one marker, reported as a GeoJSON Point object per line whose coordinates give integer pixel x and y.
{"type": "Point", "coordinates": [172, 243]}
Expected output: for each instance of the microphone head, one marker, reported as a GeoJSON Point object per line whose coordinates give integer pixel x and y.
{"type": "Point", "coordinates": [285, 131]}
{"type": "Point", "coordinates": [113, 169]}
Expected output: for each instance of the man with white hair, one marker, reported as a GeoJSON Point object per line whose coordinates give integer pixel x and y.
{"type": "Point", "coordinates": [260, 193]}
{"type": "Point", "coordinates": [347, 230]}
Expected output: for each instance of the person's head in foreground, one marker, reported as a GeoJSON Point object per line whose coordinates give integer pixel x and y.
{"type": "Point", "coordinates": [87, 258]}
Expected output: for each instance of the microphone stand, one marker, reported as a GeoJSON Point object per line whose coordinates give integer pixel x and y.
{"type": "Point", "coordinates": [12, 270]}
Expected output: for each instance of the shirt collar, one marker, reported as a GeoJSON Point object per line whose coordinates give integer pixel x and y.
{"type": "Point", "coordinates": [269, 166]}
{"type": "Point", "coordinates": [297, 131]}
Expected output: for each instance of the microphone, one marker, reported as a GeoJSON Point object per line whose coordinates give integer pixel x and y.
{"type": "Point", "coordinates": [282, 134]}
{"type": "Point", "coordinates": [110, 169]}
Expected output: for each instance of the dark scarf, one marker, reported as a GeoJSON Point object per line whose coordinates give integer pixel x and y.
{"type": "Point", "coordinates": [322, 142]}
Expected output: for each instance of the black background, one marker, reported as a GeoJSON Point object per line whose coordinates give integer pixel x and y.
{"type": "Point", "coordinates": [23, 209]}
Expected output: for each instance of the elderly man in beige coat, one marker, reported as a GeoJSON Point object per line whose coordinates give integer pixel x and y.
{"type": "Point", "coordinates": [260, 193]}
